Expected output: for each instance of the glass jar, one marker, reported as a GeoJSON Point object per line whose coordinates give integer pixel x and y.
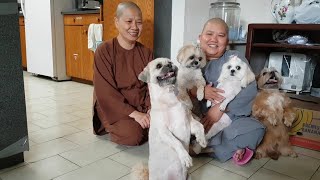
{"type": "Point", "coordinates": [230, 13]}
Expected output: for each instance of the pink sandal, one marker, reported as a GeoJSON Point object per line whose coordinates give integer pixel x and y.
{"type": "Point", "coordinates": [247, 155]}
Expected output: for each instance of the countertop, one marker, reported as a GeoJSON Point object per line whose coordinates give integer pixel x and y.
{"type": "Point", "coordinates": [75, 11]}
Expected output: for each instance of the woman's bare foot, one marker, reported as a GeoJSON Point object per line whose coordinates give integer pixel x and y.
{"type": "Point", "coordinates": [239, 154]}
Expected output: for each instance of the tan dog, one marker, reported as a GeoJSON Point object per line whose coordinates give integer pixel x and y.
{"type": "Point", "coordinates": [273, 109]}
{"type": "Point", "coordinates": [191, 60]}
{"type": "Point", "coordinates": [171, 125]}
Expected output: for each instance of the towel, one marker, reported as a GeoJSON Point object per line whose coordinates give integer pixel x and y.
{"type": "Point", "coordinates": [94, 36]}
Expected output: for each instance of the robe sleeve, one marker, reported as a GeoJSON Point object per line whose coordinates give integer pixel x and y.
{"type": "Point", "coordinates": [111, 102]}
{"type": "Point", "coordinates": [147, 101]}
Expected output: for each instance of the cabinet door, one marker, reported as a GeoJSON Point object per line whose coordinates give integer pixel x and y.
{"type": "Point", "coordinates": [23, 46]}
{"type": "Point", "coordinates": [73, 35]}
{"type": "Point", "coordinates": [88, 56]}
{"type": "Point", "coordinates": [147, 8]}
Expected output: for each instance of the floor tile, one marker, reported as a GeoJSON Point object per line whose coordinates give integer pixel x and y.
{"type": "Point", "coordinates": [126, 177]}
{"type": "Point", "coordinates": [81, 124]}
{"type": "Point", "coordinates": [104, 169]}
{"type": "Point", "coordinates": [301, 168]}
{"type": "Point", "coordinates": [307, 152]}
{"type": "Point", "coordinates": [82, 137]}
{"type": "Point", "coordinates": [92, 152]}
{"type": "Point", "coordinates": [197, 162]}
{"type": "Point", "coordinates": [52, 133]}
{"type": "Point", "coordinates": [45, 123]}
{"type": "Point", "coordinates": [48, 149]}
{"type": "Point", "coordinates": [82, 114]}
{"type": "Point", "coordinates": [131, 156]}
{"type": "Point", "coordinates": [32, 127]}
{"type": "Point", "coordinates": [265, 174]}
{"type": "Point", "coordinates": [209, 171]}
{"type": "Point", "coordinates": [12, 168]}
{"type": "Point", "coordinates": [35, 116]}
{"type": "Point", "coordinates": [246, 170]}
{"type": "Point", "coordinates": [316, 176]}
{"type": "Point", "coordinates": [42, 170]}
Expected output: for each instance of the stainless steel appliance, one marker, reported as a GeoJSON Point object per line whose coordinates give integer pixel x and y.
{"type": "Point", "coordinates": [87, 4]}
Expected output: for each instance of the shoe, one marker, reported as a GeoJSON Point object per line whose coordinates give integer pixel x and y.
{"type": "Point", "coordinates": [247, 155]}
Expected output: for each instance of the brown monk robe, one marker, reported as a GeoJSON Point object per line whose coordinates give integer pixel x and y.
{"type": "Point", "coordinates": [118, 91]}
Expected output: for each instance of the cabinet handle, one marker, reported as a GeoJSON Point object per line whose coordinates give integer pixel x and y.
{"type": "Point", "coordinates": [75, 56]}
{"type": "Point", "coordinates": [74, 19]}
{"type": "Point", "coordinates": [98, 19]}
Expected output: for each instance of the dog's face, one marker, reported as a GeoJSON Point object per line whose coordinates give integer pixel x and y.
{"type": "Point", "coordinates": [191, 56]}
{"type": "Point", "coordinates": [160, 71]}
{"type": "Point", "coordinates": [236, 69]}
{"type": "Point", "coordinates": [269, 78]}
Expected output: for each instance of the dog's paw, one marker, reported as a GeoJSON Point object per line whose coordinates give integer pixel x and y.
{"type": "Point", "coordinates": [196, 148]}
{"type": "Point", "coordinates": [186, 159]}
{"type": "Point", "coordinates": [258, 155]}
{"type": "Point", "coordinates": [222, 107]}
{"type": "Point", "coordinates": [288, 123]}
{"type": "Point", "coordinates": [200, 93]}
{"type": "Point", "coordinates": [202, 141]}
{"type": "Point", "coordinates": [293, 154]}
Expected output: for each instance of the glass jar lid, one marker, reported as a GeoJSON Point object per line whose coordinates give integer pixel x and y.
{"type": "Point", "coordinates": [225, 4]}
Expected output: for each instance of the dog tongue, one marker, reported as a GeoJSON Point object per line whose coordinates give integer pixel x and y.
{"type": "Point", "coordinates": [272, 81]}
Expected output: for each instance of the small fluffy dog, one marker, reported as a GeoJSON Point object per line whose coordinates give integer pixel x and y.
{"type": "Point", "coordinates": [273, 109]}
{"type": "Point", "coordinates": [191, 59]}
{"type": "Point", "coordinates": [235, 75]}
{"type": "Point", "coordinates": [171, 125]}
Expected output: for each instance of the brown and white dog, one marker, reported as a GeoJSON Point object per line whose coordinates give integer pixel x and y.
{"type": "Point", "coordinates": [273, 109]}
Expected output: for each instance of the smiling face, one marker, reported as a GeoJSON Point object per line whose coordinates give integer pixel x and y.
{"type": "Point", "coordinates": [160, 71]}
{"type": "Point", "coordinates": [129, 25]}
{"type": "Point", "coordinates": [214, 38]}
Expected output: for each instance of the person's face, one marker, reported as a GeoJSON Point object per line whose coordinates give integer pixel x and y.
{"type": "Point", "coordinates": [214, 40]}
{"type": "Point", "coordinates": [129, 25]}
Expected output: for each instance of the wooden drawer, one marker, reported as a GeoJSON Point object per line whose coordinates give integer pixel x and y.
{"type": "Point", "coordinates": [21, 20]}
{"type": "Point", "coordinates": [81, 19]}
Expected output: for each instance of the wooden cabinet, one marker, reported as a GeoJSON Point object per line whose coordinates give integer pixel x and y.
{"type": "Point", "coordinates": [260, 41]}
{"type": "Point", "coordinates": [147, 8]}
{"type": "Point", "coordinates": [23, 43]}
{"type": "Point", "coordinates": [79, 59]}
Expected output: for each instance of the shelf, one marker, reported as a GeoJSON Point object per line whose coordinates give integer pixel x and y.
{"type": "Point", "coordinates": [306, 27]}
{"type": "Point", "coordinates": [288, 46]}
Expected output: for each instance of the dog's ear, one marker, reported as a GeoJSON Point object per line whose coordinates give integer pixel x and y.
{"type": "Point", "coordinates": [248, 78]}
{"type": "Point", "coordinates": [145, 75]}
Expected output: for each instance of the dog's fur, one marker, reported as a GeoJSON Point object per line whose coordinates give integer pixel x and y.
{"type": "Point", "coordinates": [235, 75]}
{"type": "Point", "coordinates": [171, 125]}
{"type": "Point", "coordinates": [273, 109]}
{"type": "Point", "coordinates": [191, 59]}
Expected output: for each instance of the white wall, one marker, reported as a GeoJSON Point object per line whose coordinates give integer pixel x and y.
{"type": "Point", "coordinates": [188, 17]}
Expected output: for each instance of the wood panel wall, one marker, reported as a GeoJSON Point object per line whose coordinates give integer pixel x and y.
{"type": "Point", "coordinates": [147, 8]}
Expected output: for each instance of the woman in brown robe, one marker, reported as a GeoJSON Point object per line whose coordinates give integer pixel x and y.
{"type": "Point", "coordinates": [121, 101]}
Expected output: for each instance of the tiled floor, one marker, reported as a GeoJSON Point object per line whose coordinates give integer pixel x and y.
{"type": "Point", "coordinates": [62, 146]}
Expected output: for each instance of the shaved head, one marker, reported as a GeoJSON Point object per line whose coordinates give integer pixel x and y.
{"type": "Point", "coordinates": [216, 21]}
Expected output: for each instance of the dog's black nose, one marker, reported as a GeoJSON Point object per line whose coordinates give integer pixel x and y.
{"type": "Point", "coordinates": [195, 62]}
{"type": "Point", "coordinates": [232, 71]}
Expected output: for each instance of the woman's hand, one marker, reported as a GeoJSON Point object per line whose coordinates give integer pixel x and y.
{"type": "Point", "coordinates": [213, 115]}
{"type": "Point", "coordinates": [212, 94]}
{"type": "Point", "coordinates": [142, 118]}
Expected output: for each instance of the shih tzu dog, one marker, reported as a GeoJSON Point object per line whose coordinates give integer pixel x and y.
{"type": "Point", "coordinates": [235, 75]}
{"type": "Point", "coordinates": [191, 59]}
{"type": "Point", "coordinates": [171, 125]}
{"type": "Point", "coordinates": [273, 109]}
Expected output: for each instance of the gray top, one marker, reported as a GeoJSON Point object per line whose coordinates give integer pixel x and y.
{"type": "Point", "coordinates": [244, 131]}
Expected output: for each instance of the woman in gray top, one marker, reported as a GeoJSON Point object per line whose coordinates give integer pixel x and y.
{"type": "Point", "coordinates": [244, 130]}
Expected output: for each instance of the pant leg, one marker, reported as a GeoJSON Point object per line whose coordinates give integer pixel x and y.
{"type": "Point", "coordinates": [227, 148]}
{"type": "Point", "coordinates": [127, 132]}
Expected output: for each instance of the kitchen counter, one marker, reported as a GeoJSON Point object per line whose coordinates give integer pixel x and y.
{"type": "Point", "coordinates": [76, 11]}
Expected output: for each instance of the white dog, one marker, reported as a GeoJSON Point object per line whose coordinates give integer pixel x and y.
{"type": "Point", "coordinates": [235, 75]}
{"type": "Point", "coordinates": [191, 59]}
{"type": "Point", "coordinates": [171, 125]}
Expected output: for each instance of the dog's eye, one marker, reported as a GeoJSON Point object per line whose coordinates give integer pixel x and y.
{"type": "Point", "coordinates": [191, 57]}
{"type": "Point", "coordinates": [200, 58]}
{"type": "Point", "coordinates": [264, 73]}
{"type": "Point", "coordinates": [229, 67]}
{"type": "Point", "coordinates": [159, 66]}
{"type": "Point", "coordinates": [238, 67]}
